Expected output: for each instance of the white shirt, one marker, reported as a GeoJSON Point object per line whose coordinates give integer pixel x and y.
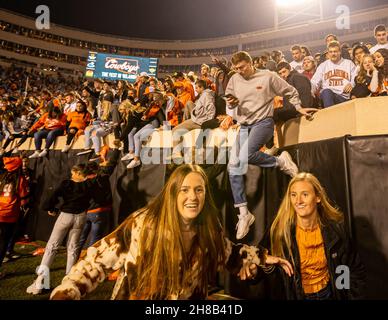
{"type": "Point", "coordinates": [298, 66]}
{"type": "Point", "coordinates": [69, 107]}
{"type": "Point", "coordinates": [334, 76]}
{"type": "Point", "coordinates": [377, 47]}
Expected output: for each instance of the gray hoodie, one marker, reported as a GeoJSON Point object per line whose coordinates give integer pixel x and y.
{"type": "Point", "coordinates": [204, 107]}
{"type": "Point", "coordinates": [256, 95]}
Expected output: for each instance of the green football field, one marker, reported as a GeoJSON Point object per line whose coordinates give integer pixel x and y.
{"type": "Point", "coordinates": [20, 273]}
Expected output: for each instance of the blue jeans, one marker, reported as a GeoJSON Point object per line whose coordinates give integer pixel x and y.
{"type": "Point", "coordinates": [249, 152]}
{"type": "Point", "coordinates": [141, 136]}
{"type": "Point", "coordinates": [50, 136]}
{"type": "Point", "coordinates": [95, 225]}
{"type": "Point", "coordinates": [329, 98]}
{"type": "Point", "coordinates": [323, 294]}
{"type": "Point", "coordinates": [94, 134]}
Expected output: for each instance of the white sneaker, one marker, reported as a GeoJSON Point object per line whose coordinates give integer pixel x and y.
{"type": "Point", "coordinates": [43, 153]}
{"type": "Point", "coordinates": [128, 156]}
{"type": "Point", "coordinates": [243, 224]}
{"type": "Point", "coordinates": [15, 150]}
{"type": "Point", "coordinates": [272, 151]}
{"type": "Point", "coordinates": [36, 287]}
{"type": "Point", "coordinates": [86, 151]}
{"type": "Point", "coordinates": [287, 165]}
{"type": "Point", "coordinates": [2, 151]}
{"type": "Point", "coordinates": [66, 148]}
{"type": "Point", "coordinates": [134, 164]}
{"type": "Point", "coordinates": [34, 155]}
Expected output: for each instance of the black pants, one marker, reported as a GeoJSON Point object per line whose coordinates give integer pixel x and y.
{"type": "Point", "coordinates": [70, 136]}
{"type": "Point", "coordinates": [6, 233]}
{"type": "Point", "coordinates": [22, 135]}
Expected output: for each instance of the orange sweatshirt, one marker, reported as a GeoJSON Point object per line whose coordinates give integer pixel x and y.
{"type": "Point", "coordinates": [49, 124]}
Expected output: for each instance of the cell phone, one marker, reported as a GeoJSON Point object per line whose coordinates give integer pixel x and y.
{"type": "Point", "coordinates": [229, 95]}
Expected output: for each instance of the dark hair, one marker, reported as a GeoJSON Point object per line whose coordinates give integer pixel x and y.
{"type": "Point", "coordinates": [379, 27]}
{"type": "Point", "coordinates": [308, 52]}
{"type": "Point", "coordinates": [201, 83]}
{"type": "Point", "coordinates": [296, 47]}
{"type": "Point", "coordinates": [80, 168]}
{"type": "Point", "coordinates": [54, 113]}
{"type": "Point", "coordinates": [91, 168]}
{"type": "Point", "coordinates": [331, 35]}
{"type": "Point", "coordinates": [359, 46]}
{"type": "Point", "coordinates": [83, 104]}
{"type": "Point", "coordinates": [282, 65]}
{"type": "Point", "coordinates": [383, 70]}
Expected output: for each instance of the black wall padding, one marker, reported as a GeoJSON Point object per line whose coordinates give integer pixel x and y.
{"type": "Point", "coordinates": [131, 189]}
{"type": "Point", "coordinates": [368, 167]}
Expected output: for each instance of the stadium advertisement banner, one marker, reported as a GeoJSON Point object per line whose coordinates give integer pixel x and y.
{"type": "Point", "coordinates": [116, 67]}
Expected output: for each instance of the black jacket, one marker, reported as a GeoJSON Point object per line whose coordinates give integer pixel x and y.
{"type": "Point", "coordinates": [100, 187]}
{"type": "Point", "coordinates": [339, 250]}
{"type": "Point", "coordinates": [75, 197]}
{"type": "Point", "coordinates": [303, 85]}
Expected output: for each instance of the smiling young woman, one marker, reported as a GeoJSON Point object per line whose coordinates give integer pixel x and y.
{"type": "Point", "coordinates": [170, 249]}
{"type": "Point", "coordinates": [310, 232]}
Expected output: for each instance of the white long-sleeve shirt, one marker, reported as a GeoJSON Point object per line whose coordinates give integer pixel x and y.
{"type": "Point", "coordinates": [377, 47]}
{"type": "Point", "coordinates": [334, 76]}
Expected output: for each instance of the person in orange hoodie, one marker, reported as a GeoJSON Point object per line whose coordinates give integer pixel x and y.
{"type": "Point", "coordinates": [51, 125]}
{"type": "Point", "coordinates": [76, 123]}
{"type": "Point", "coordinates": [183, 96]}
{"type": "Point", "coordinates": [13, 190]}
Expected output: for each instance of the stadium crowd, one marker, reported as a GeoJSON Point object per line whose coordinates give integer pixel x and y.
{"type": "Point", "coordinates": [36, 106]}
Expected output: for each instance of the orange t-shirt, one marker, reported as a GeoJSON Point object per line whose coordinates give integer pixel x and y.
{"type": "Point", "coordinates": [313, 263]}
{"type": "Point", "coordinates": [78, 120]}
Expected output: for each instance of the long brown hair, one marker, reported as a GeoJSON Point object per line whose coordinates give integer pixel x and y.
{"type": "Point", "coordinates": [162, 262]}
{"type": "Point", "coordinates": [361, 77]}
{"type": "Point", "coordinates": [286, 217]}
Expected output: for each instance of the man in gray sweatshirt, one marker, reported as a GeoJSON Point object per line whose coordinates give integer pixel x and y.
{"type": "Point", "coordinates": [250, 93]}
{"type": "Point", "coordinates": [203, 110]}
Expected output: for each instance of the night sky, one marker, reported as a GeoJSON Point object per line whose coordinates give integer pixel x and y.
{"type": "Point", "coordinates": [168, 19]}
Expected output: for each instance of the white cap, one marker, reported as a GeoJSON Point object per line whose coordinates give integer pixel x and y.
{"type": "Point", "coordinates": [143, 74]}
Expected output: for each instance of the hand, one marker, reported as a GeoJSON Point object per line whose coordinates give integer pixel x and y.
{"type": "Point", "coordinates": [214, 59]}
{"type": "Point", "coordinates": [52, 213]}
{"type": "Point", "coordinates": [232, 101]}
{"type": "Point", "coordinates": [307, 112]}
{"type": "Point", "coordinates": [348, 88]}
{"type": "Point", "coordinates": [144, 118]}
{"type": "Point", "coordinates": [248, 272]}
{"type": "Point", "coordinates": [226, 123]}
{"type": "Point", "coordinates": [287, 267]}
{"type": "Point", "coordinates": [370, 70]}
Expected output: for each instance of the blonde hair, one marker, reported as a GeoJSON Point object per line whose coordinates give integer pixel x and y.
{"type": "Point", "coordinates": [162, 261]}
{"type": "Point", "coordinates": [361, 77]}
{"type": "Point", "coordinates": [106, 108]}
{"type": "Point", "coordinates": [285, 220]}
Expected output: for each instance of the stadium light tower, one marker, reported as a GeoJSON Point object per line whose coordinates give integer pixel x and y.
{"type": "Point", "coordinates": [288, 10]}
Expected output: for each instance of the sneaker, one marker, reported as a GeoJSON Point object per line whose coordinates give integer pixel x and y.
{"type": "Point", "coordinates": [134, 164]}
{"type": "Point", "coordinates": [34, 155]}
{"type": "Point", "coordinates": [2, 151]}
{"type": "Point", "coordinates": [66, 148]}
{"type": "Point", "coordinates": [5, 259]}
{"type": "Point", "coordinates": [95, 157]}
{"type": "Point", "coordinates": [86, 151]}
{"type": "Point", "coordinates": [287, 165]}
{"type": "Point", "coordinates": [36, 287]}
{"type": "Point", "coordinates": [243, 224]}
{"type": "Point", "coordinates": [43, 153]}
{"type": "Point", "coordinates": [15, 150]}
{"type": "Point", "coordinates": [128, 156]}
{"type": "Point", "coordinates": [272, 151]}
